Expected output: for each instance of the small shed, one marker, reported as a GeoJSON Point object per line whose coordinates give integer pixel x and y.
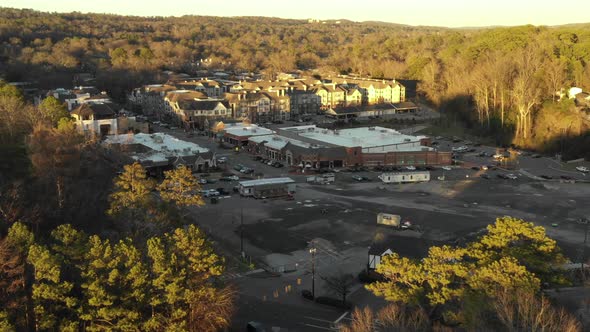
{"type": "Point", "coordinates": [271, 187]}
{"type": "Point", "coordinates": [405, 177]}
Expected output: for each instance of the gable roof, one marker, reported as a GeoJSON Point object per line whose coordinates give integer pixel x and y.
{"type": "Point", "coordinates": [100, 109]}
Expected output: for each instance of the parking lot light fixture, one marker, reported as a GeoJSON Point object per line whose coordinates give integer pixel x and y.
{"type": "Point", "coordinates": [313, 251]}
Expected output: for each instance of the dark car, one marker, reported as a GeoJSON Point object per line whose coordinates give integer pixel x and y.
{"type": "Point", "coordinates": [277, 164]}
{"type": "Point", "coordinates": [566, 177]}
{"type": "Point", "coordinates": [485, 176]}
{"type": "Point", "coordinates": [502, 176]}
{"type": "Point", "coordinates": [307, 294]}
{"type": "Point", "coordinates": [222, 191]}
{"type": "Point", "coordinates": [434, 143]}
{"type": "Point", "coordinates": [546, 177]}
{"type": "Point", "coordinates": [475, 168]}
{"type": "Point", "coordinates": [430, 168]}
{"type": "Point", "coordinates": [536, 155]}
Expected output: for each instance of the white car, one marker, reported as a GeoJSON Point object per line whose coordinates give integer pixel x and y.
{"type": "Point", "coordinates": [484, 167]}
{"type": "Point", "coordinates": [511, 176]}
{"type": "Point", "coordinates": [221, 160]}
{"type": "Point", "coordinates": [210, 193]}
{"type": "Point", "coordinates": [447, 168]}
{"type": "Point", "coordinates": [410, 168]}
{"type": "Point", "coordinates": [498, 156]}
{"type": "Point", "coordinates": [583, 169]}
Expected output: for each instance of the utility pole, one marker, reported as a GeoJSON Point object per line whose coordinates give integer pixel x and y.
{"type": "Point", "coordinates": [242, 232]}
{"type": "Point", "coordinates": [583, 253]}
{"type": "Point", "coordinates": [312, 251]}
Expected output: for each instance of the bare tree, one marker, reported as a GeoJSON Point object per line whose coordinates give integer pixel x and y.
{"type": "Point", "coordinates": [340, 284]}
{"type": "Point", "coordinates": [526, 91]}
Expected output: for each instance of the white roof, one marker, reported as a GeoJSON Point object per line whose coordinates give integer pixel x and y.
{"type": "Point", "coordinates": [162, 146]}
{"type": "Point", "coordinates": [405, 173]}
{"type": "Point", "coordinates": [260, 182]}
{"type": "Point", "coordinates": [240, 129]}
{"type": "Point", "coordinates": [278, 142]}
{"type": "Point", "coordinates": [365, 137]}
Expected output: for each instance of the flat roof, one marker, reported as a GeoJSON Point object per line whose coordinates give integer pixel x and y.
{"type": "Point", "coordinates": [260, 182]}
{"type": "Point", "coordinates": [161, 145]}
{"type": "Point", "coordinates": [365, 137]}
{"type": "Point", "coordinates": [240, 129]}
{"type": "Point", "coordinates": [405, 173]}
{"type": "Point", "coordinates": [278, 142]}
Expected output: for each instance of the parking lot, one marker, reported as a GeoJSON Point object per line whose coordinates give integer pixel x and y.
{"type": "Point", "coordinates": [340, 220]}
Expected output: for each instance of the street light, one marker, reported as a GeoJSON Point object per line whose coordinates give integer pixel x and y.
{"type": "Point", "coordinates": [312, 251]}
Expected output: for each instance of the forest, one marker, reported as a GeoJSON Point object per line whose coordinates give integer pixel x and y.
{"type": "Point", "coordinates": [497, 82]}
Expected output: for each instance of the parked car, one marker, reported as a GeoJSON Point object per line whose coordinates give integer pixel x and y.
{"type": "Point", "coordinates": [430, 168]}
{"type": "Point", "coordinates": [475, 168]}
{"type": "Point", "coordinates": [502, 176]}
{"type": "Point", "coordinates": [410, 168]}
{"type": "Point", "coordinates": [202, 181]}
{"type": "Point", "coordinates": [511, 176]}
{"type": "Point", "coordinates": [238, 167]}
{"type": "Point", "coordinates": [447, 168]}
{"type": "Point", "coordinates": [536, 155]}
{"type": "Point", "coordinates": [221, 160]}
{"type": "Point", "coordinates": [546, 177]}
{"type": "Point", "coordinates": [307, 294]}
{"type": "Point", "coordinates": [485, 176]}
{"type": "Point", "coordinates": [246, 170]}
{"type": "Point", "coordinates": [583, 169]}
{"type": "Point", "coordinates": [277, 164]}
{"type": "Point", "coordinates": [357, 178]}
{"type": "Point", "coordinates": [210, 193]}
{"type": "Point", "coordinates": [222, 191]}
{"type": "Point", "coordinates": [256, 327]}
{"type": "Point", "coordinates": [456, 139]}
{"type": "Point", "coordinates": [566, 177]}
{"type": "Point", "coordinates": [211, 180]}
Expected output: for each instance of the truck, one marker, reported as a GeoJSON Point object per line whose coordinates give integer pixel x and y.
{"type": "Point", "coordinates": [392, 220]}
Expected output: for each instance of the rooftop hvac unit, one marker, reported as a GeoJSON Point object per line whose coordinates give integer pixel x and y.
{"type": "Point", "coordinates": [383, 130]}
{"type": "Point", "coordinates": [253, 130]}
{"type": "Point", "coordinates": [276, 138]}
{"type": "Point", "coordinates": [371, 128]}
{"type": "Point", "coordinates": [246, 129]}
{"type": "Point", "coordinates": [324, 131]}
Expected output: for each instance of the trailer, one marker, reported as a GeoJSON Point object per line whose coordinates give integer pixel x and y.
{"type": "Point", "coordinates": [326, 178]}
{"type": "Point", "coordinates": [405, 177]}
{"type": "Point", "coordinates": [392, 220]}
{"type": "Point", "coordinates": [267, 188]}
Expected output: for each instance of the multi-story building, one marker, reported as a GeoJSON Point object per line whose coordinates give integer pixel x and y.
{"type": "Point", "coordinates": [259, 107]}
{"type": "Point", "coordinates": [194, 109]}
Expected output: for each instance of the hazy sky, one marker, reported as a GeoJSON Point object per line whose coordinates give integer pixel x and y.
{"type": "Point", "coordinates": [451, 13]}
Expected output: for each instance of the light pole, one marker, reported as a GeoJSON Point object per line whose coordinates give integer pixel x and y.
{"type": "Point", "coordinates": [312, 251]}
{"type": "Point", "coordinates": [242, 233]}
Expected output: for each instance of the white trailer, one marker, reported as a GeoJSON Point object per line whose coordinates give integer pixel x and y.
{"type": "Point", "coordinates": [326, 178]}
{"type": "Point", "coordinates": [405, 177]}
{"type": "Point", "coordinates": [388, 219]}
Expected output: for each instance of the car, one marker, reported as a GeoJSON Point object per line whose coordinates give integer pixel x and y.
{"type": "Point", "coordinates": [222, 191]}
{"type": "Point", "coordinates": [357, 178]}
{"type": "Point", "coordinates": [583, 169]}
{"type": "Point", "coordinates": [484, 176]}
{"type": "Point", "coordinates": [430, 168]}
{"type": "Point", "coordinates": [239, 167]}
{"type": "Point", "coordinates": [247, 170]}
{"type": "Point", "coordinates": [307, 294]}
{"type": "Point", "coordinates": [257, 158]}
{"type": "Point", "coordinates": [270, 162]}
{"type": "Point", "coordinates": [456, 139]}
{"type": "Point", "coordinates": [210, 193]}
{"type": "Point", "coordinates": [221, 160]}
{"type": "Point", "coordinates": [277, 164]}
{"type": "Point", "coordinates": [211, 180]}
{"type": "Point", "coordinates": [536, 155]}
{"type": "Point", "coordinates": [546, 177]}
{"type": "Point", "coordinates": [471, 150]}
{"type": "Point", "coordinates": [498, 156]}
{"type": "Point", "coordinates": [511, 176]}
{"type": "Point", "coordinates": [475, 168]}
{"type": "Point", "coordinates": [447, 168]}
{"type": "Point", "coordinates": [566, 177]}
{"type": "Point", "coordinates": [483, 167]}
{"type": "Point", "coordinates": [502, 176]}
{"type": "Point", "coordinates": [202, 181]}
{"type": "Point", "coordinates": [410, 168]}
{"type": "Point", "coordinates": [438, 138]}
{"type": "Point", "coordinates": [256, 327]}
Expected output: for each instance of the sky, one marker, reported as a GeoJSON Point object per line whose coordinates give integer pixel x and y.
{"type": "Point", "coordinates": [447, 13]}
